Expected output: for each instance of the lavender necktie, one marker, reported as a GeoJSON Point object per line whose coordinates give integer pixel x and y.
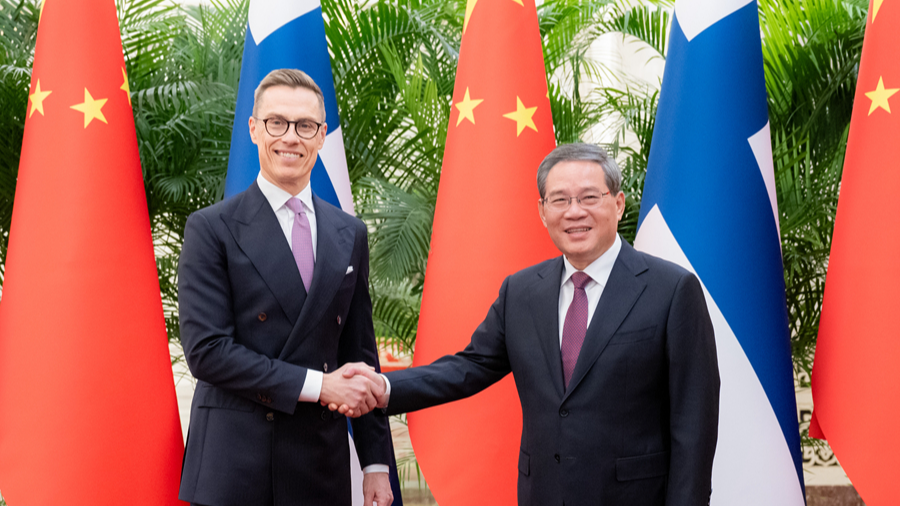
{"type": "Point", "coordinates": [301, 242]}
{"type": "Point", "coordinates": [575, 326]}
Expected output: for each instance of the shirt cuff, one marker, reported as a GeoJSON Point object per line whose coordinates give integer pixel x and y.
{"type": "Point", "coordinates": [312, 386]}
{"type": "Point", "coordinates": [376, 468]}
{"type": "Point", "coordinates": [387, 389]}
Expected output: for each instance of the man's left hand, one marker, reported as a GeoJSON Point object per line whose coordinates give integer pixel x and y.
{"type": "Point", "coordinates": [377, 487]}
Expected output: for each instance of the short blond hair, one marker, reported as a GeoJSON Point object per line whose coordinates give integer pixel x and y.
{"type": "Point", "coordinates": [292, 78]}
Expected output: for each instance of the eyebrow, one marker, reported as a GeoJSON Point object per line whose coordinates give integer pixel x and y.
{"type": "Point", "coordinates": [583, 190]}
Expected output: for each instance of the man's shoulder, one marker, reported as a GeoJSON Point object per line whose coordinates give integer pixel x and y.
{"type": "Point", "coordinates": [654, 267]}
{"type": "Point", "coordinates": [342, 217]}
{"type": "Point", "coordinates": [226, 206]}
{"type": "Point", "coordinates": [548, 268]}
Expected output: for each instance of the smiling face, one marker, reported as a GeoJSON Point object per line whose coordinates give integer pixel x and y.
{"type": "Point", "coordinates": [287, 161]}
{"type": "Point", "coordinates": [582, 235]}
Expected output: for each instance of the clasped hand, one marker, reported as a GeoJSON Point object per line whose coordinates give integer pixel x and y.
{"type": "Point", "coordinates": [353, 390]}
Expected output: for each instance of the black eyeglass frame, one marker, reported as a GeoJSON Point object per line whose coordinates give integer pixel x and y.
{"type": "Point", "coordinates": [289, 123]}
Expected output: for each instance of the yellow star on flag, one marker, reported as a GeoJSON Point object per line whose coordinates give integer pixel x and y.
{"type": "Point", "coordinates": [522, 116]}
{"type": "Point", "coordinates": [519, 2]}
{"type": "Point", "coordinates": [880, 97]}
{"type": "Point", "coordinates": [125, 86]}
{"type": "Point", "coordinates": [37, 99]}
{"type": "Point", "coordinates": [470, 6]}
{"type": "Point", "coordinates": [467, 108]}
{"type": "Point", "coordinates": [875, 7]}
{"type": "Point", "coordinates": [90, 108]}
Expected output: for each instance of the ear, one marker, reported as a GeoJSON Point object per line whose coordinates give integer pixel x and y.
{"type": "Point", "coordinates": [620, 205]}
{"type": "Point", "coordinates": [541, 212]}
{"type": "Point", "coordinates": [253, 125]}
{"type": "Point", "coordinates": [321, 135]}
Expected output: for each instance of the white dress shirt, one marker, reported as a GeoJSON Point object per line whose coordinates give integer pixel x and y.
{"type": "Point", "coordinates": [312, 386]}
{"type": "Point", "coordinates": [599, 271]}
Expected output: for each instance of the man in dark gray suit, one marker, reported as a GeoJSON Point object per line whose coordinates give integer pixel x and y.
{"type": "Point", "coordinates": [612, 351]}
{"type": "Point", "coordinates": [273, 294]}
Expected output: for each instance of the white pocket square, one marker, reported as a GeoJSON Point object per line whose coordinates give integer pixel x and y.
{"type": "Point", "coordinates": [349, 270]}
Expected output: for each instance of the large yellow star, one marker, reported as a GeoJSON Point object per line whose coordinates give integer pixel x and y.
{"type": "Point", "coordinates": [91, 108]}
{"type": "Point", "coordinates": [875, 7]}
{"type": "Point", "coordinates": [467, 108]}
{"type": "Point", "coordinates": [470, 6]}
{"type": "Point", "coordinates": [522, 117]}
{"type": "Point", "coordinates": [125, 86]}
{"type": "Point", "coordinates": [880, 97]}
{"type": "Point", "coordinates": [37, 99]}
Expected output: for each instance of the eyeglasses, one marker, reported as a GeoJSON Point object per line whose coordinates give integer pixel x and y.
{"type": "Point", "coordinates": [589, 201]}
{"type": "Point", "coordinates": [305, 128]}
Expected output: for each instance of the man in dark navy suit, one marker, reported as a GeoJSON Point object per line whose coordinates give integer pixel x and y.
{"type": "Point", "coordinates": [273, 298]}
{"type": "Point", "coordinates": [612, 351]}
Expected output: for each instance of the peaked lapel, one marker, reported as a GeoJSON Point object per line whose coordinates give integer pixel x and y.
{"type": "Point", "coordinates": [543, 306]}
{"type": "Point", "coordinates": [334, 246]}
{"type": "Point", "coordinates": [621, 292]}
{"type": "Point", "coordinates": [256, 230]}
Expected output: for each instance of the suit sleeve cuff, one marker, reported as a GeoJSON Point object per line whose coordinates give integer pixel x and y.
{"type": "Point", "coordinates": [376, 468]}
{"type": "Point", "coordinates": [312, 386]}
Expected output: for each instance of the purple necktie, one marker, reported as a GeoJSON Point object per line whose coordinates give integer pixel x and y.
{"type": "Point", "coordinates": [575, 326]}
{"type": "Point", "coordinates": [301, 242]}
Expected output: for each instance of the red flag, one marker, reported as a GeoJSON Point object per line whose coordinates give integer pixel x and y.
{"type": "Point", "coordinates": [486, 226]}
{"type": "Point", "coordinates": [88, 413]}
{"type": "Point", "coordinates": [855, 381]}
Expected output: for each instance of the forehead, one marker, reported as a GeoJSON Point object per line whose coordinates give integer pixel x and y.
{"type": "Point", "coordinates": [288, 102]}
{"type": "Point", "coordinates": [576, 175]}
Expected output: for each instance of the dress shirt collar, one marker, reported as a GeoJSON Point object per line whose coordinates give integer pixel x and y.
{"type": "Point", "coordinates": [278, 198]}
{"type": "Point", "coordinates": [600, 269]}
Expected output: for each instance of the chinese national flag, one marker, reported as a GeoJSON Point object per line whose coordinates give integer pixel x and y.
{"type": "Point", "coordinates": [486, 226]}
{"type": "Point", "coordinates": [87, 402]}
{"type": "Point", "coordinates": [856, 381]}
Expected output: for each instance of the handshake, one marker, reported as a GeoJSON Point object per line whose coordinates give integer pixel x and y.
{"type": "Point", "coordinates": [353, 390]}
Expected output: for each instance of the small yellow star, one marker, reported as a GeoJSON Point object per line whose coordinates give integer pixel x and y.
{"type": "Point", "coordinates": [875, 6]}
{"type": "Point", "coordinates": [470, 6]}
{"type": "Point", "coordinates": [519, 2]}
{"type": "Point", "coordinates": [37, 99]}
{"type": "Point", "coordinates": [90, 108]}
{"type": "Point", "coordinates": [41, 14]}
{"type": "Point", "coordinates": [522, 116]}
{"type": "Point", "coordinates": [125, 86]}
{"type": "Point", "coordinates": [880, 97]}
{"type": "Point", "coordinates": [467, 108]}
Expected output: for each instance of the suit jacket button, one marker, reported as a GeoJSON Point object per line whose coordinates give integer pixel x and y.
{"type": "Point", "coordinates": [270, 417]}
{"type": "Point", "coordinates": [563, 413]}
{"type": "Point", "coordinates": [325, 367]}
{"type": "Point", "coordinates": [262, 317]}
{"type": "Point", "coordinates": [339, 319]}
{"type": "Point", "coordinates": [325, 415]}
{"type": "Point", "coordinates": [556, 457]}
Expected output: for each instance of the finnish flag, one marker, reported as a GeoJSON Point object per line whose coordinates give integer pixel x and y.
{"type": "Point", "coordinates": [288, 34]}
{"type": "Point", "coordinates": [709, 205]}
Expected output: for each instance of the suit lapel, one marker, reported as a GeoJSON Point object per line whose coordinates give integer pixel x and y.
{"type": "Point", "coordinates": [334, 245]}
{"type": "Point", "coordinates": [256, 230]}
{"type": "Point", "coordinates": [544, 309]}
{"type": "Point", "coordinates": [621, 292]}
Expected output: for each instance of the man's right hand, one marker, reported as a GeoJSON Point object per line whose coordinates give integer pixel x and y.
{"type": "Point", "coordinates": [350, 391]}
